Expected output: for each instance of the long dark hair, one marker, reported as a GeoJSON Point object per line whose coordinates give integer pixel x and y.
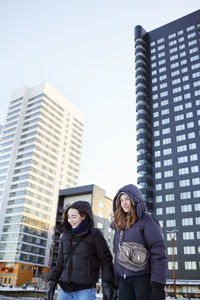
{"type": "Point", "coordinates": [80, 210]}
{"type": "Point", "coordinates": [122, 219]}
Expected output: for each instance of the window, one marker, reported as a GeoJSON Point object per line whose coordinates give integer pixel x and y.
{"type": "Point", "coordinates": [186, 208]}
{"type": "Point", "coordinates": [164, 94]}
{"type": "Point", "coordinates": [184, 70]}
{"type": "Point", "coordinates": [175, 73]}
{"type": "Point", "coordinates": [196, 181]}
{"type": "Point", "coordinates": [170, 250]}
{"type": "Point", "coordinates": [163, 77]}
{"type": "Point", "coordinates": [158, 187]}
{"type": "Point", "coordinates": [196, 194]}
{"type": "Point", "coordinates": [174, 65]}
{"type": "Point", "coordinates": [169, 197]}
{"type": "Point", "coordinates": [161, 62]}
{"type": "Point", "coordinates": [158, 199]}
{"type": "Point", "coordinates": [168, 173]}
{"type": "Point", "coordinates": [156, 123]}
{"type": "Point", "coordinates": [185, 195]}
{"type": "Point", "coordinates": [169, 185]}
{"type": "Point", "coordinates": [170, 265]}
{"type": "Point", "coordinates": [170, 210]}
{"type": "Point", "coordinates": [157, 153]}
{"type": "Point", "coordinates": [190, 125]}
{"type": "Point", "coordinates": [183, 171]}
{"type": "Point", "coordinates": [167, 162]}
{"type": "Point", "coordinates": [192, 146]}
{"type": "Point", "coordinates": [190, 28]}
{"type": "Point", "coordinates": [156, 133]}
{"type": "Point", "coordinates": [187, 96]}
{"type": "Point", "coordinates": [190, 265]}
{"type": "Point", "coordinates": [158, 175]}
{"type": "Point", "coordinates": [197, 219]}
{"type": "Point", "coordinates": [180, 127]}
{"type": "Point", "coordinates": [176, 81]}
{"type": "Point", "coordinates": [172, 50]}
{"type": "Point", "coordinates": [184, 182]}
{"type": "Point", "coordinates": [197, 207]}
{"type": "Point", "coordinates": [182, 54]}
{"type": "Point", "coordinates": [177, 98]}
{"type": "Point", "coordinates": [159, 211]}
{"type": "Point", "coordinates": [166, 141]}
{"type": "Point", "coordinates": [181, 137]}
{"type": "Point", "coordinates": [161, 54]}
{"type": "Point", "coordinates": [187, 221]}
{"type": "Point", "coordinates": [181, 148]}
{"type": "Point", "coordinates": [165, 121]}
{"type": "Point", "coordinates": [193, 157]}
{"type": "Point", "coordinates": [178, 108]}
{"type": "Point", "coordinates": [193, 34]}
{"type": "Point", "coordinates": [188, 235]}
{"type": "Point", "coordinates": [164, 102]}
{"type": "Point", "coordinates": [167, 151]}
{"type": "Point", "coordinates": [174, 57]}
{"type": "Point", "coordinates": [171, 223]}
{"type": "Point", "coordinates": [157, 143]}
{"type": "Point", "coordinates": [194, 169]}
{"type": "Point", "coordinates": [171, 36]}
{"type": "Point", "coordinates": [189, 250]}
{"type": "Point", "coordinates": [189, 115]}
{"type": "Point", "coordinates": [157, 164]}
{"type": "Point", "coordinates": [166, 131]}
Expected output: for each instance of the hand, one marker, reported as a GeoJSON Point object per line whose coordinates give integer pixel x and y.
{"type": "Point", "coordinates": [51, 289]}
{"type": "Point", "coordinates": [158, 292]}
{"type": "Point", "coordinates": [109, 293]}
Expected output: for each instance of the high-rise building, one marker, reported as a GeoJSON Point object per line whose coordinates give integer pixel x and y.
{"type": "Point", "coordinates": [40, 153]}
{"type": "Point", "coordinates": [167, 62]}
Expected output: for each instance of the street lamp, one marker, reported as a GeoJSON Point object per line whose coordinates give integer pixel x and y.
{"type": "Point", "coordinates": [172, 234]}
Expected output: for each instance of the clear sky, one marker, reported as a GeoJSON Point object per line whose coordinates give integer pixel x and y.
{"type": "Point", "coordinates": [85, 49]}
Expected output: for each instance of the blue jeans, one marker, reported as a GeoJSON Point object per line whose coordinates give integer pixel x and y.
{"type": "Point", "coordinates": [89, 294]}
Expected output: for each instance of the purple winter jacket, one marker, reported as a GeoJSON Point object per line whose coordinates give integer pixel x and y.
{"type": "Point", "coordinates": [145, 231]}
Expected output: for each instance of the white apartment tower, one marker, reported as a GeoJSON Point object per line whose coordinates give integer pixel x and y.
{"type": "Point", "coordinates": [40, 153]}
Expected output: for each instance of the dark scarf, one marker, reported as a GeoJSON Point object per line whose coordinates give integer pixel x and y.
{"type": "Point", "coordinates": [80, 228]}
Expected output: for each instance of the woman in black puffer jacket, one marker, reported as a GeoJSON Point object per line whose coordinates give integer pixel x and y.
{"type": "Point", "coordinates": [83, 252]}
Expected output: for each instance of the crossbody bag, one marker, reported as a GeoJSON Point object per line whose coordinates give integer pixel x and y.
{"type": "Point", "coordinates": [132, 256]}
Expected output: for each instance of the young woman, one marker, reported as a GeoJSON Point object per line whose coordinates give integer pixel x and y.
{"type": "Point", "coordinates": [83, 251]}
{"type": "Point", "coordinates": [132, 224]}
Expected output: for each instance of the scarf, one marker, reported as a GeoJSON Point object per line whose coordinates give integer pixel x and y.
{"type": "Point", "coordinates": [80, 228]}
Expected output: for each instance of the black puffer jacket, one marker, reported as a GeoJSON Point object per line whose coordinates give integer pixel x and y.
{"type": "Point", "coordinates": [91, 254]}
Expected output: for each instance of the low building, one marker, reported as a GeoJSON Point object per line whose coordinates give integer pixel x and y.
{"type": "Point", "coordinates": [101, 206]}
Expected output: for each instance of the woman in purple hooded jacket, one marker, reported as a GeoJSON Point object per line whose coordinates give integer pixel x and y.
{"type": "Point", "coordinates": [132, 224]}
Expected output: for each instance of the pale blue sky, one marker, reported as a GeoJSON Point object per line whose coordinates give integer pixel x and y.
{"type": "Point", "coordinates": [85, 49]}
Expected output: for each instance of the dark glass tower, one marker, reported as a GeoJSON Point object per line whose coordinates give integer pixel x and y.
{"type": "Point", "coordinates": [167, 62]}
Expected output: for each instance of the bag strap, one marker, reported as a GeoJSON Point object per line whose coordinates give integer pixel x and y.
{"type": "Point", "coordinates": [121, 236]}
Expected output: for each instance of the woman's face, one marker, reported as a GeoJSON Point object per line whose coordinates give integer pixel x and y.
{"type": "Point", "coordinates": [125, 202]}
{"type": "Point", "coordinates": [74, 217]}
